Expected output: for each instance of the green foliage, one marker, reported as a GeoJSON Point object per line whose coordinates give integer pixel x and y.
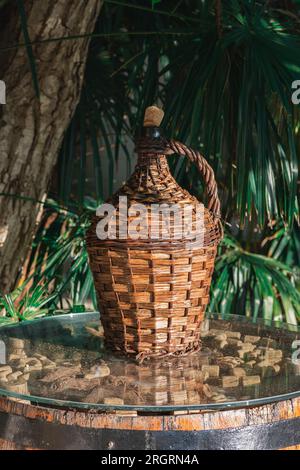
{"type": "Point", "coordinates": [59, 256]}
{"type": "Point", "coordinates": [154, 2]}
{"type": "Point", "coordinates": [57, 273]}
{"type": "Point", "coordinates": [223, 73]}
{"type": "Point", "coordinates": [25, 305]}
{"type": "Point", "coordinates": [259, 286]}
{"type": "Point", "coordinates": [225, 86]}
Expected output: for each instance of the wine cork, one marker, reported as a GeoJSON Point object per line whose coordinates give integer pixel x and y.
{"type": "Point", "coordinates": [153, 116]}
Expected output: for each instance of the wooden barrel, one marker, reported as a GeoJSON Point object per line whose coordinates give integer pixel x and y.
{"type": "Point", "coordinates": [271, 426]}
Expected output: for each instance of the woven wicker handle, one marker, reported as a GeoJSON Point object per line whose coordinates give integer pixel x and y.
{"type": "Point", "coordinates": [207, 173]}
{"type": "Point", "coordinates": [153, 117]}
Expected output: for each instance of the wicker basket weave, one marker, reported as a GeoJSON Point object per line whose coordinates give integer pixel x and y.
{"type": "Point", "coordinates": [152, 292]}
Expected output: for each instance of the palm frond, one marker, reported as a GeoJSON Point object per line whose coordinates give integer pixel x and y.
{"type": "Point", "coordinates": [255, 284]}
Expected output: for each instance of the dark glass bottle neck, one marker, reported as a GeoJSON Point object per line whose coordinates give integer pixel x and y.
{"type": "Point", "coordinates": [151, 132]}
{"type": "Point", "coordinates": [151, 151]}
{"type": "Point", "coordinates": [151, 142]}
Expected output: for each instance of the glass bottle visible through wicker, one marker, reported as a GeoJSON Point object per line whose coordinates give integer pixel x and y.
{"type": "Point", "coordinates": [152, 274]}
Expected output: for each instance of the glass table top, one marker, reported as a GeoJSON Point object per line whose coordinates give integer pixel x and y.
{"type": "Point", "coordinates": [61, 361]}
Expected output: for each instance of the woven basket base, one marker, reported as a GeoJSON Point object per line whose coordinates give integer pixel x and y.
{"type": "Point", "coordinates": [152, 303]}
{"type": "Point", "coordinates": [152, 355]}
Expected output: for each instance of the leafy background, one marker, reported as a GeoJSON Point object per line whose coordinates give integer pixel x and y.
{"type": "Point", "coordinates": [223, 73]}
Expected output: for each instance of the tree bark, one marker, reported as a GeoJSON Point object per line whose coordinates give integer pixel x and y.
{"type": "Point", "coordinates": [31, 128]}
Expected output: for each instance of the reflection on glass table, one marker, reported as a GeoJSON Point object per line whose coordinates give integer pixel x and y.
{"type": "Point", "coordinates": [62, 361]}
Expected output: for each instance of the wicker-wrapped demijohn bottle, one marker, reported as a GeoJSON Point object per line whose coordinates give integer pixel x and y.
{"type": "Point", "coordinates": [152, 249]}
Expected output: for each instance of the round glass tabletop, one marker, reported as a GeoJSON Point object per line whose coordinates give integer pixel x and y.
{"type": "Point", "coordinates": [61, 361]}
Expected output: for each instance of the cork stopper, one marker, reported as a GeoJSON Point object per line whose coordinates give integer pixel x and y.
{"type": "Point", "coordinates": [153, 116]}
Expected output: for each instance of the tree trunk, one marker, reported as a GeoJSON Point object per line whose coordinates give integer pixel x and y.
{"type": "Point", "coordinates": [31, 128]}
